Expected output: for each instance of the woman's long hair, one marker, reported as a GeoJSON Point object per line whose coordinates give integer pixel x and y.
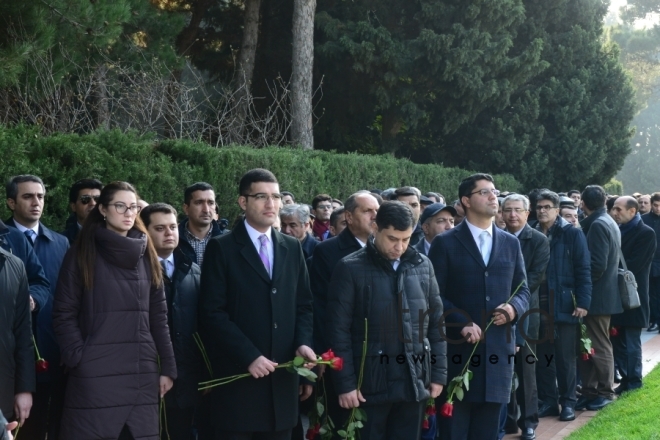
{"type": "Point", "coordinates": [86, 242]}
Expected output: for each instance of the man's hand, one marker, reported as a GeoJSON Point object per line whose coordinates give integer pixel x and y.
{"type": "Point", "coordinates": [33, 305]}
{"type": "Point", "coordinates": [261, 367]}
{"type": "Point", "coordinates": [304, 391]}
{"type": "Point", "coordinates": [22, 406]}
{"type": "Point", "coordinates": [10, 427]}
{"type": "Point", "coordinates": [500, 315]}
{"type": "Point", "coordinates": [307, 353]}
{"type": "Point", "coordinates": [436, 389]}
{"type": "Point", "coordinates": [472, 333]}
{"type": "Point", "coordinates": [166, 384]}
{"type": "Point", "coordinates": [351, 399]}
{"type": "Point", "coordinates": [579, 312]}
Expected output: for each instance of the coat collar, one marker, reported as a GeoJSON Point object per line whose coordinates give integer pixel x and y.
{"type": "Point", "coordinates": [250, 254]}
{"type": "Point", "coordinates": [586, 223]}
{"type": "Point", "coordinates": [43, 230]}
{"type": "Point", "coordinates": [347, 240]}
{"type": "Point", "coordinates": [120, 251]}
{"type": "Point", "coordinates": [464, 235]}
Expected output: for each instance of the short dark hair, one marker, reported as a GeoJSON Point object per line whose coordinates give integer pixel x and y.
{"type": "Point", "coordinates": [573, 191]}
{"type": "Point", "coordinates": [153, 208]}
{"type": "Point", "coordinates": [254, 176]}
{"type": "Point", "coordinates": [546, 194]}
{"type": "Point", "coordinates": [632, 203]}
{"type": "Point", "coordinates": [199, 186]}
{"type": "Point", "coordinates": [334, 217]}
{"type": "Point", "coordinates": [610, 202]}
{"type": "Point", "coordinates": [405, 191]}
{"type": "Point", "coordinates": [290, 194]}
{"type": "Point", "coordinates": [376, 191]}
{"type": "Point", "coordinates": [12, 185]}
{"type": "Point", "coordinates": [594, 197]}
{"type": "Point", "coordinates": [396, 214]}
{"type": "Point", "coordinates": [338, 201]}
{"type": "Point", "coordinates": [320, 198]}
{"type": "Point", "coordinates": [470, 183]}
{"type": "Point", "coordinates": [655, 197]}
{"type": "Point", "coordinates": [83, 184]}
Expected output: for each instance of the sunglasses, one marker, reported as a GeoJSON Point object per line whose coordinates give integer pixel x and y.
{"type": "Point", "coordinates": [86, 199]}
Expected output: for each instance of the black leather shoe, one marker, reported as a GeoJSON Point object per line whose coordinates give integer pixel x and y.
{"type": "Point", "coordinates": [621, 389]}
{"type": "Point", "coordinates": [582, 403]}
{"type": "Point", "coordinates": [528, 434]}
{"type": "Point", "coordinates": [547, 410]}
{"type": "Point", "coordinates": [598, 403]}
{"type": "Point", "coordinates": [567, 414]}
{"type": "Point", "coordinates": [653, 328]}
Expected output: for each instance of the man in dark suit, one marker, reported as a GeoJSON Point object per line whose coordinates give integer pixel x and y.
{"type": "Point", "coordinates": [436, 219]}
{"type": "Point", "coordinates": [652, 219]}
{"type": "Point", "coordinates": [536, 253]}
{"type": "Point", "coordinates": [255, 311]}
{"type": "Point", "coordinates": [25, 198]}
{"type": "Point", "coordinates": [82, 199]}
{"type": "Point", "coordinates": [638, 247]}
{"type": "Point", "coordinates": [478, 268]}
{"type": "Point", "coordinates": [295, 221]}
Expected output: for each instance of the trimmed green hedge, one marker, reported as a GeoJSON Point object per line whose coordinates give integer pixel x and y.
{"type": "Point", "coordinates": [161, 170]}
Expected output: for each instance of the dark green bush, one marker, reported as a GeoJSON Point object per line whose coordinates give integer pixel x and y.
{"type": "Point", "coordinates": [160, 170]}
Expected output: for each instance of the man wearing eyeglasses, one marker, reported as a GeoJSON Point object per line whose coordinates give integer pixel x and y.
{"type": "Point", "coordinates": [322, 210]}
{"type": "Point", "coordinates": [479, 268]}
{"type": "Point", "coordinates": [25, 199]}
{"type": "Point", "coordinates": [436, 219]}
{"type": "Point", "coordinates": [83, 196]}
{"type": "Point", "coordinates": [565, 294]}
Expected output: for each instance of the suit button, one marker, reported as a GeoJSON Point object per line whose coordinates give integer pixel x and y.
{"type": "Point", "coordinates": [275, 325]}
{"type": "Point", "coordinates": [274, 290]}
{"type": "Point", "coordinates": [380, 351]}
{"type": "Point", "coordinates": [488, 298]}
{"type": "Point", "coordinates": [486, 273]}
{"type": "Point", "coordinates": [178, 334]}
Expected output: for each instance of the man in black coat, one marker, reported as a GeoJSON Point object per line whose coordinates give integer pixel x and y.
{"type": "Point", "coordinates": [295, 221]}
{"type": "Point", "coordinates": [255, 311]}
{"type": "Point", "coordinates": [652, 219]}
{"type": "Point", "coordinates": [82, 199]}
{"type": "Point", "coordinates": [181, 278]}
{"type": "Point", "coordinates": [536, 254]}
{"type": "Point", "coordinates": [436, 219]}
{"type": "Point", "coordinates": [638, 247]}
{"type": "Point", "coordinates": [393, 287]}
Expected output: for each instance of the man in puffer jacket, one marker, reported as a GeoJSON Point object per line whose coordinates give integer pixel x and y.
{"type": "Point", "coordinates": [392, 286]}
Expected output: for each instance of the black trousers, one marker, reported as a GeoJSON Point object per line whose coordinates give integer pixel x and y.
{"type": "Point", "coordinates": [179, 423]}
{"type": "Point", "coordinates": [125, 434]}
{"type": "Point", "coordinates": [393, 421]}
{"type": "Point", "coordinates": [654, 299]}
{"type": "Point", "coordinates": [627, 347]}
{"type": "Point", "coordinates": [557, 367]}
{"type": "Point", "coordinates": [475, 421]}
{"type": "Point", "coordinates": [46, 411]}
{"type": "Point", "coordinates": [279, 435]}
{"type": "Point", "coordinates": [525, 396]}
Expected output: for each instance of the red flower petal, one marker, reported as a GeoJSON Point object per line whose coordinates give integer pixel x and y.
{"type": "Point", "coordinates": [337, 363]}
{"type": "Point", "coordinates": [328, 355]}
{"type": "Point", "coordinates": [41, 366]}
{"type": "Point", "coordinates": [425, 424]}
{"type": "Point", "coordinates": [447, 409]}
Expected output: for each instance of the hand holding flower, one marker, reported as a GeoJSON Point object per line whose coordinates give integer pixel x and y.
{"type": "Point", "coordinates": [436, 390]}
{"type": "Point", "coordinates": [471, 333]}
{"type": "Point", "coordinates": [504, 314]}
{"type": "Point", "coordinates": [308, 354]}
{"type": "Point", "coordinates": [261, 367]}
{"type": "Point", "coordinates": [351, 399]}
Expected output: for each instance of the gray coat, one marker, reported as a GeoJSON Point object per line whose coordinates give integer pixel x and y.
{"type": "Point", "coordinates": [604, 242]}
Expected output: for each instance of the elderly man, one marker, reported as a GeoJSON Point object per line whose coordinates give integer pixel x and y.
{"type": "Point", "coordinates": [295, 221]}
{"type": "Point", "coordinates": [436, 219]}
{"type": "Point", "coordinates": [638, 247]}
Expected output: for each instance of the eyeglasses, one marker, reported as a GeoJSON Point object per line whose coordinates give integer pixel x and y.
{"type": "Point", "coordinates": [516, 210]}
{"type": "Point", "coordinates": [87, 198]}
{"type": "Point", "coordinates": [324, 207]}
{"type": "Point", "coordinates": [262, 197]}
{"type": "Point", "coordinates": [121, 208]}
{"type": "Point", "coordinates": [545, 207]}
{"type": "Point", "coordinates": [486, 191]}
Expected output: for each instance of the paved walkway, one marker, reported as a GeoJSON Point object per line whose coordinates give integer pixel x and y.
{"type": "Point", "coordinates": [551, 428]}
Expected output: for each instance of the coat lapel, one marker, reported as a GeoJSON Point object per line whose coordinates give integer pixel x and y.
{"type": "Point", "coordinates": [249, 252]}
{"type": "Point", "coordinates": [279, 252]}
{"type": "Point", "coordinates": [497, 239]}
{"type": "Point", "coordinates": [465, 237]}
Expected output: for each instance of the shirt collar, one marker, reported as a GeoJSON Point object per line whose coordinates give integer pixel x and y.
{"type": "Point", "coordinates": [477, 231]}
{"type": "Point", "coordinates": [193, 236]}
{"type": "Point", "coordinates": [254, 234]}
{"type": "Point", "coordinates": [427, 246]}
{"type": "Point", "coordinates": [22, 228]}
{"type": "Point", "coordinates": [170, 259]}
{"type": "Point", "coordinates": [361, 243]}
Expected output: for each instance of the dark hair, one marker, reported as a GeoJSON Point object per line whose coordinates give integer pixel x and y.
{"type": "Point", "coordinates": [610, 203]}
{"type": "Point", "coordinates": [470, 183]}
{"type": "Point", "coordinates": [396, 214]}
{"type": "Point", "coordinates": [86, 242]}
{"type": "Point", "coordinates": [199, 186]}
{"type": "Point", "coordinates": [594, 197]}
{"type": "Point", "coordinates": [546, 194]}
{"type": "Point", "coordinates": [378, 198]}
{"type": "Point", "coordinates": [632, 203]}
{"type": "Point", "coordinates": [351, 203]}
{"type": "Point", "coordinates": [655, 197]}
{"type": "Point", "coordinates": [376, 191]}
{"type": "Point", "coordinates": [12, 185]}
{"type": "Point", "coordinates": [338, 201]}
{"type": "Point", "coordinates": [153, 208]}
{"type": "Point", "coordinates": [320, 198]}
{"type": "Point", "coordinates": [405, 191]}
{"type": "Point", "coordinates": [334, 217]}
{"type": "Point", "coordinates": [290, 194]}
{"type": "Point", "coordinates": [83, 184]}
{"type": "Point", "coordinates": [573, 191]}
{"type": "Point", "coordinates": [254, 176]}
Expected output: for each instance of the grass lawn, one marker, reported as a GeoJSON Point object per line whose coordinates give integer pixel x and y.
{"type": "Point", "coordinates": [634, 415]}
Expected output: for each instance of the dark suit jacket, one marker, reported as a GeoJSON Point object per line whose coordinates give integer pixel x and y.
{"type": "Point", "coordinates": [308, 245]}
{"type": "Point", "coordinates": [419, 247]}
{"type": "Point", "coordinates": [243, 314]}
{"type": "Point", "coordinates": [638, 247]}
{"type": "Point", "coordinates": [536, 254]}
{"type": "Point", "coordinates": [470, 292]}
{"type": "Point", "coordinates": [326, 256]}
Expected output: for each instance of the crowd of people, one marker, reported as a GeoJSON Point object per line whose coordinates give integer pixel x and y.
{"type": "Point", "coordinates": [108, 328]}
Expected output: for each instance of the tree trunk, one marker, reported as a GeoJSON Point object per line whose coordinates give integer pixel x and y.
{"type": "Point", "coordinates": [301, 81]}
{"type": "Point", "coordinates": [392, 125]}
{"type": "Point", "coordinates": [246, 59]}
{"type": "Point", "coordinates": [100, 98]}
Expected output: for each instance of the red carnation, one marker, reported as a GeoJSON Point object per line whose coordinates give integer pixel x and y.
{"type": "Point", "coordinates": [447, 409]}
{"type": "Point", "coordinates": [592, 352]}
{"type": "Point", "coordinates": [425, 424]}
{"type": "Point", "coordinates": [614, 332]}
{"type": "Point", "coordinates": [337, 363]}
{"type": "Point", "coordinates": [328, 355]}
{"type": "Point", "coordinates": [585, 356]}
{"type": "Point", "coordinates": [41, 366]}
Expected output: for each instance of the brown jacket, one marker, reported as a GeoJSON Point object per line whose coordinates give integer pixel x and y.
{"type": "Point", "coordinates": [111, 339]}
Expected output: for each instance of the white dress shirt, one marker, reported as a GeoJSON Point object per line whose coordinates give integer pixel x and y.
{"type": "Point", "coordinates": [169, 265]}
{"type": "Point", "coordinates": [395, 264]}
{"type": "Point", "coordinates": [488, 240]}
{"type": "Point", "coordinates": [427, 247]}
{"type": "Point", "coordinates": [361, 243]}
{"type": "Point", "coordinates": [254, 236]}
{"type": "Point", "coordinates": [22, 228]}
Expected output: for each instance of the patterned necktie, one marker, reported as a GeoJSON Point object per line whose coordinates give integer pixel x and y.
{"type": "Point", "coordinates": [482, 246]}
{"type": "Point", "coordinates": [263, 252]}
{"type": "Point", "coordinates": [163, 264]}
{"type": "Point", "coordinates": [29, 233]}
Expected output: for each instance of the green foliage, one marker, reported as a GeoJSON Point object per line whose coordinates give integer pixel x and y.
{"type": "Point", "coordinates": [161, 170]}
{"type": "Point", "coordinates": [614, 187]}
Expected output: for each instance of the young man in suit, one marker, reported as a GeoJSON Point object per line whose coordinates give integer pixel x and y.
{"type": "Point", "coordinates": [255, 311]}
{"type": "Point", "coordinates": [478, 268]}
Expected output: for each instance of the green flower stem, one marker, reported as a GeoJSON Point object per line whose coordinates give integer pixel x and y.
{"type": "Point", "coordinates": [35, 348]}
{"type": "Point", "coordinates": [202, 349]}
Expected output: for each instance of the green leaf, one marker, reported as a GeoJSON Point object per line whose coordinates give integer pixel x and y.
{"type": "Point", "coordinates": [359, 424]}
{"type": "Point", "coordinates": [459, 393]}
{"type": "Point", "coordinates": [341, 433]}
{"type": "Point", "coordinates": [319, 408]}
{"type": "Point", "coordinates": [470, 374]}
{"type": "Point", "coordinates": [309, 374]}
{"type": "Point", "coordinates": [466, 382]}
{"type": "Point", "coordinates": [298, 361]}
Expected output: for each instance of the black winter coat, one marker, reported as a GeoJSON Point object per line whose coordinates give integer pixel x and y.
{"type": "Point", "coordinates": [604, 241]}
{"type": "Point", "coordinates": [638, 247]}
{"type": "Point", "coordinates": [17, 374]}
{"type": "Point", "coordinates": [404, 354]}
{"type": "Point", "coordinates": [653, 221]}
{"type": "Point", "coordinates": [182, 295]}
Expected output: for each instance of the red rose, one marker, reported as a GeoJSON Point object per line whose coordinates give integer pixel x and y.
{"type": "Point", "coordinates": [447, 409]}
{"type": "Point", "coordinates": [41, 366]}
{"type": "Point", "coordinates": [585, 356]}
{"type": "Point", "coordinates": [425, 424]}
{"type": "Point", "coordinates": [430, 410]}
{"type": "Point", "coordinates": [328, 355]}
{"type": "Point", "coordinates": [592, 352]}
{"type": "Point", "coordinates": [614, 332]}
{"type": "Point", "coordinates": [337, 363]}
